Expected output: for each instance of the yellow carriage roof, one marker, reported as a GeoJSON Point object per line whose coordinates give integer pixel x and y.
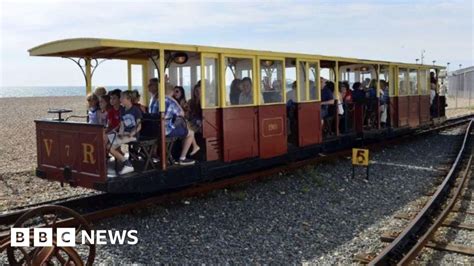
{"type": "Point", "coordinates": [125, 49]}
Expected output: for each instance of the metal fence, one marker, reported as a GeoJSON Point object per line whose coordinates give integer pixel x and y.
{"type": "Point", "coordinates": [459, 94]}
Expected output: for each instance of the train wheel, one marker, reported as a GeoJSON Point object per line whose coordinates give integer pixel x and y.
{"type": "Point", "coordinates": [49, 216]}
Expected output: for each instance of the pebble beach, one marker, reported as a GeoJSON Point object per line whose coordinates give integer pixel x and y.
{"type": "Point", "coordinates": [18, 184]}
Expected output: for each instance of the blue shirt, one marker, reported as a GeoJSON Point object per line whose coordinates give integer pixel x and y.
{"type": "Point", "coordinates": [172, 109]}
{"type": "Point", "coordinates": [154, 106]}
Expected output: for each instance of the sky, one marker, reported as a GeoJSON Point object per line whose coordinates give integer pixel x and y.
{"type": "Point", "coordinates": [395, 30]}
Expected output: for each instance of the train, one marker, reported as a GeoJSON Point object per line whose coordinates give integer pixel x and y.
{"type": "Point", "coordinates": [289, 113]}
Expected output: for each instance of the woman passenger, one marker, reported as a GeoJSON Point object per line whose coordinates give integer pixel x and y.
{"type": "Point", "coordinates": [235, 91]}
{"type": "Point", "coordinates": [194, 115]}
{"type": "Point", "coordinates": [180, 97]}
{"type": "Point", "coordinates": [92, 109]}
{"type": "Point", "coordinates": [100, 91]}
{"type": "Point", "coordinates": [245, 96]}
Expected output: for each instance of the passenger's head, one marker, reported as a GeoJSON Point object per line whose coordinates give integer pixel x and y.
{"type": "Point", "coordinates": [100, 91]}
{"type": "Point", "coordinates": [196, 95]}
{"type": "Point", "coordinates": [294, 85]}
{"type": "Point", "coordinates": [126, 98]}
{"type": "Point", "coordinates": [329, 86]}
{"type": "Point", "coordinates": [178, 93]}
{"type": "Point", "coordinates": [246, 85]}
{"type": "Point", "coordinates": [383, 84]}
{"type": "Point", "coordinates": [115, 97]}
{"type": "Point", "coordinates": [92, 100]}
{"type": "Point", "coordinates": [136, 96]}
{"type": "Point", "coordinates": [169, 89]}
{"type": "Point", "coordinates": [344, 87]}
{"type": "Point", "coordinates": [356, 86]}
{"type": "Point", "coordinates": [104, 102]}
{"type": "Point", "coordinates": [153, 86]}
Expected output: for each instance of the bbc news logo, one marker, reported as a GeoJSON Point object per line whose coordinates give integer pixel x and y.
{"type": "Point", "coordinates": [66, 237]}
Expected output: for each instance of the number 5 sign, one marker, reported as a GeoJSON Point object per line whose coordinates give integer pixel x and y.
{"type": "Point", "coordinates": [360, 157]}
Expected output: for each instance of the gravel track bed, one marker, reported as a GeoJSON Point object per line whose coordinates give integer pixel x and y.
{"type": "Point", "coordinates": [316, 214]}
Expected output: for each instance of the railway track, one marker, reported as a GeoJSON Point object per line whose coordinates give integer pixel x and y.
{"type": "Point", "coordinates": [96, 207]}
{"type": "Point", "coordinates": [406, 245]}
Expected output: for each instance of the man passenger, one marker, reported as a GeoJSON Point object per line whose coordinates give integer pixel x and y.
{"type": "Point", "coordinates": [153, 107]}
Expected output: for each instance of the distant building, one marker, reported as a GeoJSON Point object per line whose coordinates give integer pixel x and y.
{"type": "Point", "coordinates": [461, 83]}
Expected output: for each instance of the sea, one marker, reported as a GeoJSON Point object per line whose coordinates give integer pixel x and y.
{"type": "Point", "coordinates": [46, 91]}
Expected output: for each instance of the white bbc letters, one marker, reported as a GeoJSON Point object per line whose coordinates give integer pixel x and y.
{"type": "Point", "coordinates": [43, 237]}
{"type": "Point", "coordinates": [20, 237]}
{"type": "Point", "coordinates": [66, 237]}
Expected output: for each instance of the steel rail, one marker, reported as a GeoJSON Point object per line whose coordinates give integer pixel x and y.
{"type": "Point", "coordinates": [408, 243]}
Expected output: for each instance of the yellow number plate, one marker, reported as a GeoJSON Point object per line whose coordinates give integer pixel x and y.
{"type": "Point", "coordinates": [360, 157]}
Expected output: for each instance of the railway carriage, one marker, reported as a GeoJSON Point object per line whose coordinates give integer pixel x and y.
{"type": "Point", "coordinates": [266, 130]}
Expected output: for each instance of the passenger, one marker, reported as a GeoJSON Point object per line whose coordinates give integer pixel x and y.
{"type": "Point", "coordinates": [154, 105]}
{"type": "Point", "coordinates": [384, 100]}
{"type": "Point", "coordinates": [291, 95]}
{"type": "Point", "coordinates": [372, 92]}
{"type": "Point", "coordinates": [130, 125]}
{"type": "Point", "coordinates": [346, 93]}
{"type": "Point", "coordinates": [136, 101]}
{"type": "Point", "coordinates": [235, 91]}
{"type": "Point", "coordinates": [245, 96]}
{"type": "Point", "coordinates": [194, 114]}
{"type": "Point", "coordinates": [358, 94]}
{"type": "Point", "coordinates": [100, 91]}
{"type": "Point", "coordinates": [104, 104]}
{"type": "Point", "coordinates": [365, 84]}
{"type": "Point", "coordinates": [433, 87]}
{"type": "Point", "coordinates": [176, 128]}
{"type": "Point", "coordinates": [92, 109]}
{"type": "Point", "coordinates": [180, 96]}
{"type": "Point", "coordinates": [113, 115]}
{"type": "Point", "coordinates": [327, 98]}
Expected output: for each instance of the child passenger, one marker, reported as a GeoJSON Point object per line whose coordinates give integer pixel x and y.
{"type": "Point", "coordinates": [113, 115]}
{"type": "Point", "coordinates": [104, 105]}
{"type": "Point", "coordinates": [130, 125]}
{"type": "Point", "coordinates": [92, 108]}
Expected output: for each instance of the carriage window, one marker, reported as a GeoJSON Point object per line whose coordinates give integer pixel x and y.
{"type": "Point", "coordinates": [290, 75]}
{"type": "Point", "coordinates": [413, 84]}
{"type": "Point", "coordinates": [423, 78]}
{"type": "Point", "coordinates": [271, 73]}
{"type": "Point", "coordinates": [238, 81]}
{"type": "Point", "coordinates": [210, 82]}
{"type": "Point", "coordinates": [402, 82]}
{"type": "Point", "coordinates": [313, 81]}
{"type": "Point", "coordinates": [302, 74]}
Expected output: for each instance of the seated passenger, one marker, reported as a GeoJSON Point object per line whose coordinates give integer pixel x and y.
{"type": "Point", "coordinates": [245, 96]}
{"type": "Point", "coordinates": [176, 128]}
{"type": "Point", "coordinates": [194, 114]}
{"type": "Point", "coordinates": [136, 101]}
{"type": "Point", "coordinates": [234, 93]}
{"type": "Point", "coordinates": [153, 106]}
{"type": "Point", "coordinates": [100, 91]}
{"type": "Point", "coordinates": [92, 109]}
{"type": "Point", "coordinates": [180, 96]}
{"type": "Point", "coordinates": [130, 125]}
{"type": "Point", "coordinates": [104, 104]}
{"type": "Point", "coordinates": [113, 115]}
